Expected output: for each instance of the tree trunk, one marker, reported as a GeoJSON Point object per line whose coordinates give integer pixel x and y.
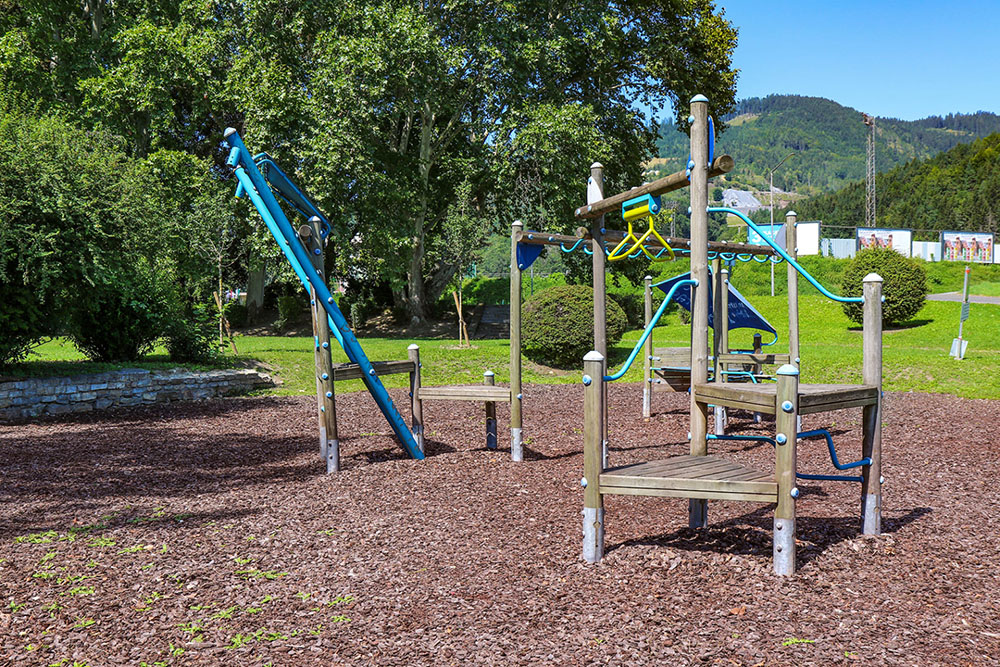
{"type": "Point", "coordinates": [416, 295]}
{"type": "Point", "coordinates": [255, 289]}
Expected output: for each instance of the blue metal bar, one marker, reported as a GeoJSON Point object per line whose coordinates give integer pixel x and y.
{"type": "Point", "coordinates": [300, 271]}
{"type": "Point", "coordinates": [648, 330]}
{"type": "Point", "coordinates": [786, 256]}
{"type": "Point", "coordinates": [277, 179]}
{"type": "Point", "coordinates": [271, 209]}
{"type": "Point", "coordinates": [833, 452]}
{"type": "Point", "coordinates": [829, 478]}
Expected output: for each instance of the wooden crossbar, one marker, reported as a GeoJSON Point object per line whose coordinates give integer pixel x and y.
{"type": "Point", "coordinates": [353, 372]}
{"type": "Point", "coordinates": [471, 392]}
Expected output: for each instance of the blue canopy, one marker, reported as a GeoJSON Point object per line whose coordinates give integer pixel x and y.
{"type": "Point", "coordinates": [741, 314]}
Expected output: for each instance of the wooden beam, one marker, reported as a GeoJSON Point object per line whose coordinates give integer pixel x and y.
{"type": "Point", "coordinates": [721, 165]}
{"type": "Point", "coordinates": [614, 236]}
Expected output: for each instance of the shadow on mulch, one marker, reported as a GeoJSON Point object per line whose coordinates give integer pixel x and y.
{"type": "Point", "coordinates": [750, 534]}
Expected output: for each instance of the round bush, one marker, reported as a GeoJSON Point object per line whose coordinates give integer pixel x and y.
{"type": "Point", "coordinates": [194, 338]}
{"type": "Point", "coordinates": [904, 284]}
{"type": "Point", "coordinates": [558, 325]}
{"type": "Point", "coordinates": [237, 314]}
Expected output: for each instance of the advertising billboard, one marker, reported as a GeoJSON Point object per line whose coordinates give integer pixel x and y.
{"type": "Point", "coordinates": [967, 247]}
{"type": "Point", "coordinates": [899, 240]}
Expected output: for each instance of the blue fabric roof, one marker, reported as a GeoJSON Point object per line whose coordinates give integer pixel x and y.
{"type": "Point", "coordinates": [741, 314]}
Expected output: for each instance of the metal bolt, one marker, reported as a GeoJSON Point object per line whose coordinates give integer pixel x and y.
{"type": "Point", "coordinates": [531, 236]}
{"type": "Point", "coordinates": [587, 380]}
{"type": "Point", "coordinates": [787, 406]}
{"type": "Point", "coordinates": [371, 371]}
{"type": "Point", "coordinates": [604, 230]}
{"type": "Point", "coordinates": [778, 525]}
{"type": "Point", "coordinates": [781, 439]}
{"type": "Point", "coordinates": [689, 435]}
{"type": "Point", "coordinates": [326, 345]}
{"type": "Point", "coordinates": [583, 482]}
{"type": "Point", "coordinates": [519, 397]}
{"type": "Point", "coordinates": [329, 394]}
{"type": "Point", "coordinates": [325, 376]}
{"type": "Point", "coordinates": [794, 493]}
{"type": "Point", "coordinates": [312, 302]}
{"type": "Point", "coordinates": [777, 547]}
{"type": "Point", "coordinates": [881, 480]}
{"type": "Point", "coordinates": [317, 251]}
{"type": "Point", "coordinates": [330, 300]}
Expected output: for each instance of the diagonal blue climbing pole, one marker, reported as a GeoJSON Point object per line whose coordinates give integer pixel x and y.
{"type": "Point", "coordinates": [252, 183]}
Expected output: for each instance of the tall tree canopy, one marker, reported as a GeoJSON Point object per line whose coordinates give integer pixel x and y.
{"type": "Point", "coordinates": [382, 108]}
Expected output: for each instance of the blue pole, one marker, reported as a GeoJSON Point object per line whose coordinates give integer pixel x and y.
{"type": "Point", "coordinates": [352, 348]}
{"type": "Point", "coordinates": [785, 256]}
{"type": "Point", "coordinates": [649, 329]}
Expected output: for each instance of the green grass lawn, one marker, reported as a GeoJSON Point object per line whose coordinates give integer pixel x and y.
{"type": "Point", "coordinates": [985, 289]}
{"type": "Point", "coordinates": [915, 357]}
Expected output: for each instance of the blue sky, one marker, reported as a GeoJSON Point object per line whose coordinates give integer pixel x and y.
{"type": "Point", "coordinates": [905, 60]}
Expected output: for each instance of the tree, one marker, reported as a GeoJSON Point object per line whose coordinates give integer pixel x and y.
{"type": "Point", "coordinates": [462, 242]}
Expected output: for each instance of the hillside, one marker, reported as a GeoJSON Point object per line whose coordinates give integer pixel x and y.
{"type": "Point", "coordinates": [828, 137]}
{"type": "Point", "coordinates": [958, 189]}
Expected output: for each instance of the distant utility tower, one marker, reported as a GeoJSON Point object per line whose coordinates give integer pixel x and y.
{"type": "Point", "coordinates": [870, 172]}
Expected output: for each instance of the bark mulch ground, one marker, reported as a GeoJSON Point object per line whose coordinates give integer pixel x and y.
{"type": "Point", "coordinates": [208, 534]}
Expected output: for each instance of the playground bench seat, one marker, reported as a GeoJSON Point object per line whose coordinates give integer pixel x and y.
{"type": "Point", "coordinates": [353, 371]}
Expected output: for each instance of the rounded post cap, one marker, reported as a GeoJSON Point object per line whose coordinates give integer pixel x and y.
{"type": "Point", "coordinates": [699, 98]}
{"type": "Point", "coordinates": [788, 369]}
{"type": "Point", "coordinates": [597, 165]}
{"type": "Point", "coordinates": [791, 213]}
{"type": "Point", "coordinates": [648, 277]}
{"type": "Point", "coordinates": [229, 132]}
{"type": "Point", "coordinates": [517, 223]}
{"type": "Point", "coordinates": [488, 374]}
{"type": "Point", "coordinates": [413, 346]}
{"type": "Point", "coordinates": [872, 278]}
{"type": "Point", "coordinates": [593, 355]}
{"type": "Point", "coordinates": [315, 218]}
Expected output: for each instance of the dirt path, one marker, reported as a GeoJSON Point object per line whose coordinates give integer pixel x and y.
{"type": "Point", "coordinates": [207, 534]}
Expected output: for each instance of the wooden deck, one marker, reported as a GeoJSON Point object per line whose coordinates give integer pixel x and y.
{"type": "Point", "coordinates": [691, 477]}
{"type": "Point", "coordinates": [465, 392]}
{"type": "Point", "coordinates": [812, 397]}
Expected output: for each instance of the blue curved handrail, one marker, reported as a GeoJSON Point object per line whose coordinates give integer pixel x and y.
{"type": "Point", "coordinates": [786, 256]}
{"type": "Point", "coordinates": [648, 330]}
{"type": "Point", "coordinates": [809, 434]}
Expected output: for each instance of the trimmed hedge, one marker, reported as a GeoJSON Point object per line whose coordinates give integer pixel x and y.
{"type": "Point", "coordinates": [904, 284]}
{"type": "Point", "coordinates": [558, 325]}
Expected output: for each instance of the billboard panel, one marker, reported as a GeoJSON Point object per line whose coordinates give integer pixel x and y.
{"type": "Point", "coordinates": [771, 231]}
{"type": "Point", "coordinates": [967, 247]}
{"type": "Point", "coordinates": [899, 240]}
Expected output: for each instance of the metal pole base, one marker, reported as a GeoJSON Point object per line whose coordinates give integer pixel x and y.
{"type": "Point", "coordinates": [697, 513]}
{"type": "Point", "coordinates": [720, 420]}
{"type": "Point", "coordinates": [323, 444]}
{"type": "Point", "coordinates": [491, 434]}
{"type": "Point", "coordinates": [333, 456]}
{"type": "Point", "coordinates": [784, 546]}
{"type": "Point", "coordinates": [516, 448]}
{"type": "Point", "coordinates": [871, 514]}
{"type": "Point", "coordinates": [593, 534]}
{"type": "Point", "coordinates": [418, 437]}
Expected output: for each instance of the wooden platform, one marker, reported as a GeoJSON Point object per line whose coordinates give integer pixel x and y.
{"type": "Point", "coordinates": [465, 392]}
{"type": "Point", "coordinates": [812, 397]}
{"type": "Point", "coordinates": [691, 477]}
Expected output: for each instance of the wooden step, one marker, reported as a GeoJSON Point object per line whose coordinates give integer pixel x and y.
{"type": "Point", "coordinates": [465, 392]}
{"type": "Point", "coordinates": [691, 477]}
{"type": "Point", "coordinates": [762, 397]}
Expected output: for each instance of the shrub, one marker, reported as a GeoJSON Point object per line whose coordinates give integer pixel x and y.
{"type": "Point", "coordinates": [290, 308]}
{"type": "Point", "coordinates": [194, 338]}
{"type": "Point", "coordinates": [558, 325]}
{"type": "Point", "coordinates": [904, 284]}
{"type": "Point", "coordinates": [237, 314]}
{"type": "Point", "coordinates": [23, 322]}
{"type": "Point", "coordinates": [122, 317]}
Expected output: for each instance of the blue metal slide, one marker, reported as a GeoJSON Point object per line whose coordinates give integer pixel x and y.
{"type": "Point", "coordinates": [254, 184]}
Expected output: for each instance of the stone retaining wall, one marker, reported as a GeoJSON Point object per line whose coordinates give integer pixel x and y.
{"type": "Point", "coordinates": [20, 399]}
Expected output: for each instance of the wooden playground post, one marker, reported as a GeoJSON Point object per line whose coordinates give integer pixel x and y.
{"type": "Point", "coordinates": [871, 476]}
{"type": "Point", "coordinates": [647, 352]}
{"type": "Point", "coordinates": [698, 507]}
{"type": "Point", "coordinates": [329, 442]}
{"type": "Point", "coordinates": [516, 447]}
{"type": "Point", "coordinates": [718, 326]}
{"type": "Point", "coordinates": [595, 193]}
{"type": "Point", "coordinates": [593, 455]}
{"type": "Point", "coordinates": [491, 414]}
{"type": "Point", "coordinates": [416, 405]}
{"type": "Point", "coordinates": [722, 317]}
{"type": "Point", "coordinates": [791, 247]}
{"type": "Point", "coordinates": [786, 412]}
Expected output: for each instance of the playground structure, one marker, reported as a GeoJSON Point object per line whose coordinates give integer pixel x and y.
{"type": "Point", "coordinates": [261, 179]}
{"type": "Point", "coordinates": [698, 476]}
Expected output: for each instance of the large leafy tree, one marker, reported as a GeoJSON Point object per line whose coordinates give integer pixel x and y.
{"type": "Point", "coordinates": [382, 107]}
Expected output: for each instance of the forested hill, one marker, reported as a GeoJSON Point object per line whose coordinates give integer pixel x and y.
{"type": "Point", "coordinates": [829, 140]}
{"type": "Point", "coordinates": [958, 189]}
